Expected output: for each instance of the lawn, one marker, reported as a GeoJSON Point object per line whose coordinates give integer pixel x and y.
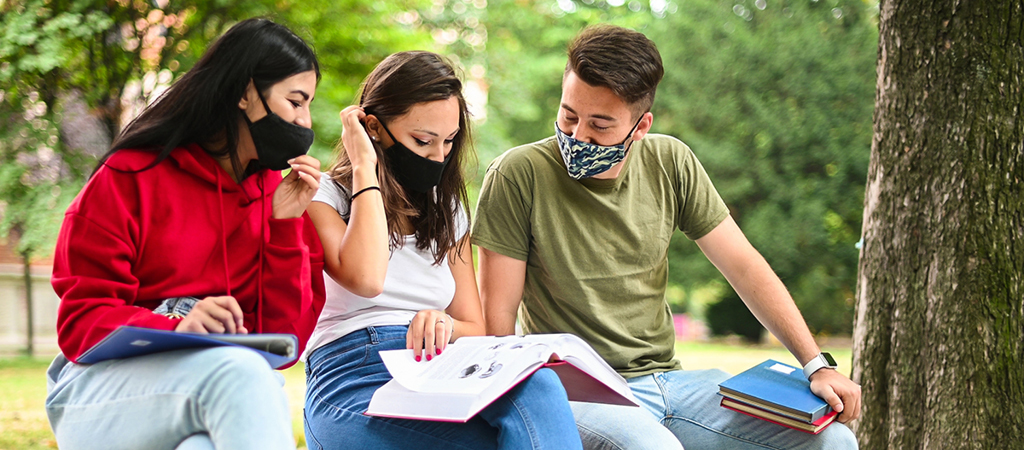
{"type": "Point", "coordinates": [23, 424]}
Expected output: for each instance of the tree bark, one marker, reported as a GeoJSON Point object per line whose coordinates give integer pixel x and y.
{"type": "Point", "coordinates": [30, 331]}
{"type": "Point", "coordinates": [940, 299]}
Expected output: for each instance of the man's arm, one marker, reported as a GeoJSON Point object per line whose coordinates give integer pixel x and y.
{"type": "Point", "coordinates": [769, 301]}
{"type": "Point", "coordinates": [501, 290]}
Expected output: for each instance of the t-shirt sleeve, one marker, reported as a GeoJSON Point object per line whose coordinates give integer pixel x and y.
{"type": "Point", "coordinates": [461, 222]}
{"type": "Point", "coordinates": [502, 222]}
{"type": "Point", "coordinates": [702, 208]}
{"type": "Point", "coordinates": [334, 194]}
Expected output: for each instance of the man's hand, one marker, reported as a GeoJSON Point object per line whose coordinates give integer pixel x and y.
{"type": "Point", "coordinates": [214, 315]}
{"type": "Point", "coordinates": [841, 393]}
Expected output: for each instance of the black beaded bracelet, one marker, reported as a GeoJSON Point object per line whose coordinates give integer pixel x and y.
{"type": "Point", "coordinates": [370, 188]}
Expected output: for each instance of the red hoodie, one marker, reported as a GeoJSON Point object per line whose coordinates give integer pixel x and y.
{"type": "Point", "coordinates": [183, 228]}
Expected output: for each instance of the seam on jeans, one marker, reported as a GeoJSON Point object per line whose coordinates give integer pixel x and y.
{"type": "Point", "coordinates": [713, 430]}
{"type": "Point", "coordinates": [309, 432]}
{"type": "Point", "coordinates": [607, 440]}
{"type": "Point", "coordinates": [530, 428]}
{"type": "Point", "coordinates": [658, 381]}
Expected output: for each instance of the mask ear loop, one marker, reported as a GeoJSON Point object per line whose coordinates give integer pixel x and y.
{"type": "Point", "coordinates": [267, 107]}
{"type": "Point", "coordinates": [395, 141]}
{"type": "Point", "coordinates": [631, 130]}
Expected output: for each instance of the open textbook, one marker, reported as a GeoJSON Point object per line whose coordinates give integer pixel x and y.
{"type": "Point", "coordinates": [475, 370]}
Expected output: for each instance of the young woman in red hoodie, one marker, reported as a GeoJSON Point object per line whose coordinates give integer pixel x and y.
{"type": "Point", "coordinates": [187, 225]}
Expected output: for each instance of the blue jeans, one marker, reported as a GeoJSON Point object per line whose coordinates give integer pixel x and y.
{"type": "Point", "coordinates": [224, 397]}
{"type": "Point", "coordinates": [680, 408]}
{"type": "Point", "coordinates": [343, 375]}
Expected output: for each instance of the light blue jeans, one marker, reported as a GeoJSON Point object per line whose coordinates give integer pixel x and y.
{"type": "Point", "coordinates": [680, 408]}
{"type": "Point", "coordinates": [342, 376]}
{"type": "Point", "coordinates": [222, 397]}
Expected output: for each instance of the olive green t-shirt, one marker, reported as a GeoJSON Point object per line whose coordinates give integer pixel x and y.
{"type": "Point", "coordinates": [596, 251]}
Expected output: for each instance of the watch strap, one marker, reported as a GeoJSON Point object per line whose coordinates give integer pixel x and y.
{"type": "Point", "coordinates": [817, 363]}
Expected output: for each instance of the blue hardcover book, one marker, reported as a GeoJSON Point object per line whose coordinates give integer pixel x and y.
{"type": "Point", "coordinates": [778, 388]}
{"type": "Point", "coordinates": [128, 341]}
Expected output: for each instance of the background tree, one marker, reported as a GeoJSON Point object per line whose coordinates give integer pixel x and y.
{"type": "Point", "coordinates": [940, 299]}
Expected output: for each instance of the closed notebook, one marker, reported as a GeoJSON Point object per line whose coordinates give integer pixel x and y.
{"type": "Point", "coordinates": [779, 388]}
{"type": "Point", "coordinates": [127, 341]}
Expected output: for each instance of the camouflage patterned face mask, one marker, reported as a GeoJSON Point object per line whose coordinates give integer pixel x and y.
{"type": "Point", "coordinates": [583, 159]}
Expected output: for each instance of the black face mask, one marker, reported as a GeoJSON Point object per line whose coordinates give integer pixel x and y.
{"type": "Point", "coordinates": [277, 141]}
{"type": "Point", "coordinates": [413, 171]}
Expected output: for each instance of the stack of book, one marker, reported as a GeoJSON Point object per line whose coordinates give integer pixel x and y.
{"type": "Point", "coordinates": [778, 393]}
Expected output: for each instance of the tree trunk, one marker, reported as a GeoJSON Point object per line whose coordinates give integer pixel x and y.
{"type": "Point", "coordinates": [29, 349]}
{"type": "Point", "coordinates": [940, 299]}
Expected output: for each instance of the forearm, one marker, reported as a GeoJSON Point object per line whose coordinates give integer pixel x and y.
{"type": "Point", "coordinates": [759, 287]}
{"type": "Point", "coordinates": [770, 302]}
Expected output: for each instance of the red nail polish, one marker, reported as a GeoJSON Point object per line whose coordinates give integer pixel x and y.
{"type": "Point", "coordinates": [438, 351]}
{"type": "Point", "coordinates": [428, 356]}
{"type": "Point", "coordinates": [417, 357]}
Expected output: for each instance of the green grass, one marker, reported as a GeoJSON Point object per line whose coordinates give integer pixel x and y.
{"type": "Point", "coordinates": [23, 424]}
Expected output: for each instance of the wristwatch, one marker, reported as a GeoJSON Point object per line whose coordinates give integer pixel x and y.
{"type": "Point", "coordinates": [820, 361]}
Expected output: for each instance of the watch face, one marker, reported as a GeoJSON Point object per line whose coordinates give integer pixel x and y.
{"type": "Point", "coordinates": [828, 358]}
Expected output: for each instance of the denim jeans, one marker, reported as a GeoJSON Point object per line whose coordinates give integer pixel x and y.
{"type": "Point", "coordinates": [343, 375]}
{"type": "Point", "coordinates": [224, 396]}
{"type": "Point", "coordinates": [680, 409]}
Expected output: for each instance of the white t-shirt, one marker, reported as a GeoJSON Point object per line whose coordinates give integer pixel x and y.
{"type": "Point", "coordinates": [412, 283]}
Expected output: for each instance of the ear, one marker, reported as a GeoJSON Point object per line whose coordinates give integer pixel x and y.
{"type": "Point", "coordinates": [644, 127]}
{"type": "Point", "coordinates": [246, 99]}
{"type": "Point", "coordinates": [376, 130]}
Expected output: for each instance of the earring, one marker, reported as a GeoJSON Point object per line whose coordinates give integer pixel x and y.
{"type": "Point", "coordinates": [374, 138]}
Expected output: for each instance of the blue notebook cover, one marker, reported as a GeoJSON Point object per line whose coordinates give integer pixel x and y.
{"type": "Point", "coordinates": [128, 341]}
{"type": "Point", "coordinates": [776, 386]}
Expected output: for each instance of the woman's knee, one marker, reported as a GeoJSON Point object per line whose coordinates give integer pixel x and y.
{"type": "Point", "coordinates": [545, 382]}
{"type": "Point", "coordinates": [236, 372]}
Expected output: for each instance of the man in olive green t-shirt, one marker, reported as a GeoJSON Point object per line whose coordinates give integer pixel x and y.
{"type": "Point", "coordinates": [574, 231]}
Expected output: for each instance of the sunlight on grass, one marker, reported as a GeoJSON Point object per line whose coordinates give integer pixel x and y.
{"type": "Point", "coordinates": [23, 424]}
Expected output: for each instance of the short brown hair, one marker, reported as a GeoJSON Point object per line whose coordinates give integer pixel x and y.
{"type": "Point", "coordinates": [619, 59]}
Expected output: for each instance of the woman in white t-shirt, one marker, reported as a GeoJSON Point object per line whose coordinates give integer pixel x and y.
{"type": "Point", "coordinates": [391, 214]}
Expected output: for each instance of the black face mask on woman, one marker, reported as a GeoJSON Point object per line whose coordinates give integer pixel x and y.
{"type": "Point", "coordinates": [413, 171]}
{"type": "Point", "coordinates": [276, 140]}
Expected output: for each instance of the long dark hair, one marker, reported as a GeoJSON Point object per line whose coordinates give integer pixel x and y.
{"type": "Point", "coordinates": [202, 106]}
{"type": "Point", "coordinates": [398, 83]}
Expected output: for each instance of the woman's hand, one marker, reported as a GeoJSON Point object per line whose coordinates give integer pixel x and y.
{"type": "Point", "coordinates": [214, 315]}
{"type": "Point", "coordinates": [297, 189]}
{"type": "Point", "coordinates": [356, 140]}
{"type": "Point", "coordinates": [429, 332]}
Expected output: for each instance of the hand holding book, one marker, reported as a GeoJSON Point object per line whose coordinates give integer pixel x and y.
{"type": "Point", "coordinates": [841, 393]}
{"type": "Point", "coordinates": [778, 393]}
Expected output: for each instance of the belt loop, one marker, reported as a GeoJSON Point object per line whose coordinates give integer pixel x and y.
{"type": "Point", "coordinates": [374, 338]}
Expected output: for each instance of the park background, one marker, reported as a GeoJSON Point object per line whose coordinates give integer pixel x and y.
{"type": "Point", "coordinates": [775, 98]}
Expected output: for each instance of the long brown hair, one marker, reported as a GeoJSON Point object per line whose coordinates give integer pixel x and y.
{"type": "Point", "coordinates": [398, 83]}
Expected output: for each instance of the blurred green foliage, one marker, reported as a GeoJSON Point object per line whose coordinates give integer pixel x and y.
{"type": "Point", "coordinates": [776, 100]}
{"type": "Point", "coordinates": [774, 96]}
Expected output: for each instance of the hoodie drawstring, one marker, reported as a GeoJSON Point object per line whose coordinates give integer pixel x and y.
{"type": "Point", "coordinates": [259, 284]}
{"type": "Point", "coordinates": [223, 234]}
